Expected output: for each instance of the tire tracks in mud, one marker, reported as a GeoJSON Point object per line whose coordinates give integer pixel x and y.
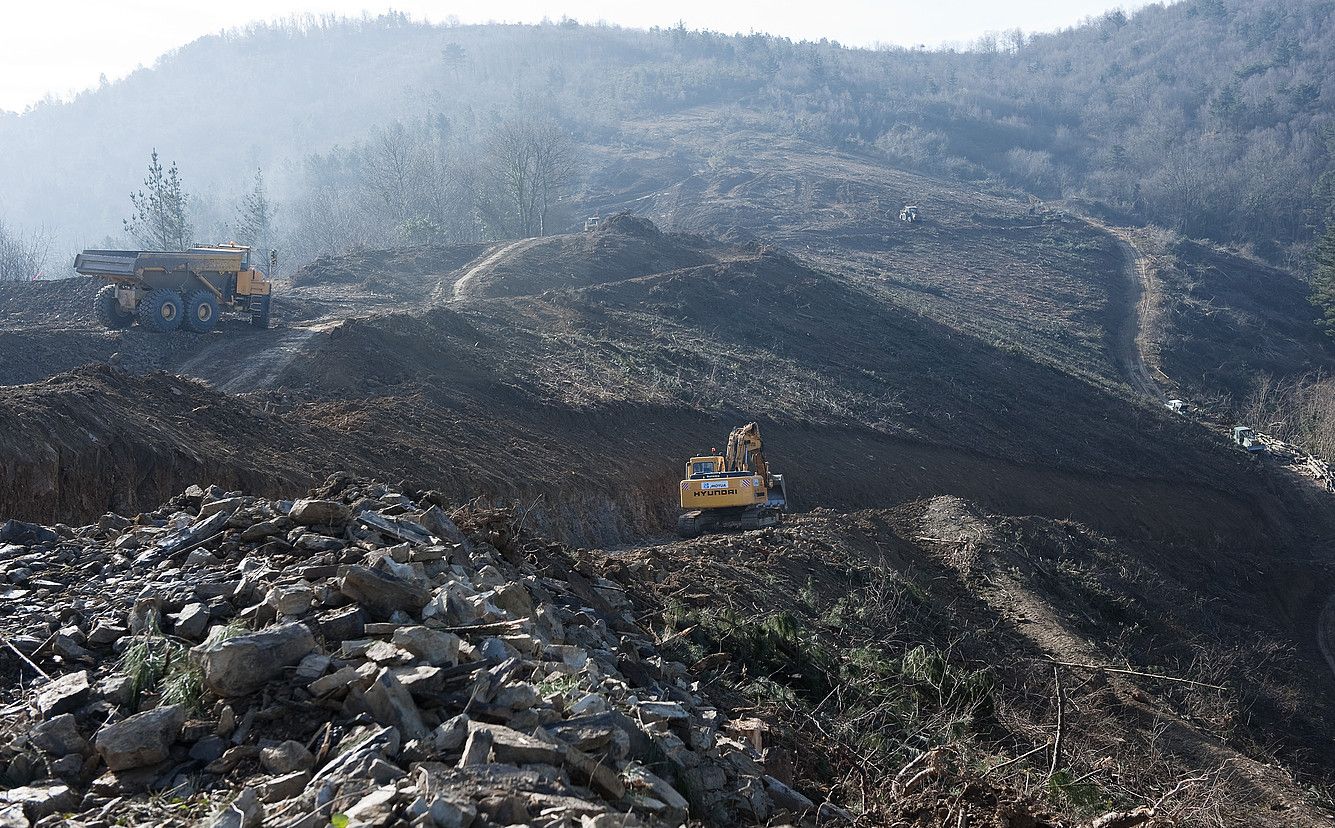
{"type": "Point", "coordinates": [260, 367]}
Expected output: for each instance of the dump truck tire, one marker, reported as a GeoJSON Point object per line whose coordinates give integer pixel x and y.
{"type": "Point", "coordinates": [109, 311]}
{"type": "Point", "coordinates": [201, 312]}
{"type": "Point", "coordinates": [161, 310]}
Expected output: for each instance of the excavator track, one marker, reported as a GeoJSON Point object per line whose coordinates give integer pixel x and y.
{"type": "Point", "coordinates": [697, 523]}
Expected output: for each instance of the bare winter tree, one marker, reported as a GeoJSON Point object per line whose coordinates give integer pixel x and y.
{"type": "Point", "coordinates": [532, 162]}
{"type": "Point", "coordinates": [392, 167]}
{"type": "Point", "coordinates": [159, 217]}
{"type": "Point", "coordinates": [554, 167]}
{"type": "Point", "coordinates": [22, 256]}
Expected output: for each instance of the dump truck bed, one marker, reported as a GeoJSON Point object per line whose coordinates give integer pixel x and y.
{"type": "Point", "coordinates": [106, 262]}
{"type": "Point", "coordinates": [125, 263]}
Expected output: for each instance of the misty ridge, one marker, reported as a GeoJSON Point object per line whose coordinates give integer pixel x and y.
{"type": "Point", "coordinates": [1212, 118]}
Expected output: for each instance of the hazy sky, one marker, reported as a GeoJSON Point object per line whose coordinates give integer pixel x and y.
{"type": "Point", "coordinates": [62, 46]}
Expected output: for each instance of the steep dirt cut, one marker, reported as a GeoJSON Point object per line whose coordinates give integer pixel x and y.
{"type": "Point", "coordinates": [97, 439]}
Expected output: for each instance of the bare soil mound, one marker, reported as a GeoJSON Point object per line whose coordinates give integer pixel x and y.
{"type": "Point", "coordinates": [53, 303]}
{"type": "Point", "coordinates": [403, 271]}
{"type": "Point", "coordinates": [623, 247]}
{"type": "Point", "coordinates": [33, 355]}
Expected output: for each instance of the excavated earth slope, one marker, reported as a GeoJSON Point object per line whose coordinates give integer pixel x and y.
{"type": "Point", "coordinates": [973, 355]}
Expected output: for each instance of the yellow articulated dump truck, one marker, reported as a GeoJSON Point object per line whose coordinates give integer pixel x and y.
{"type": "Point", "coordinates": [733, 490]}
{"type": "Point", "coordinates": [166, 290]}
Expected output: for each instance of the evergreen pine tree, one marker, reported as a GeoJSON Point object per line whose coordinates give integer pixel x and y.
{"type": "Point", "coordinates": [254, 215]}
{"type": "Point", "coordinates": [1323, 278]}
{"type": "Point", "coordinates": [159, 213]}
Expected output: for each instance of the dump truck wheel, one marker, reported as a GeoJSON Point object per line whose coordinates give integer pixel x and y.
{"type": "Point", "coordinates": [161, 310]}
{"type": "Point", "coordinates": [109, 311]}
{"type": "Point", "coordinates": [201, 312]}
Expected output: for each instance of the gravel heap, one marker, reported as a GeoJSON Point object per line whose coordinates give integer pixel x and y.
{"type": "Point", "coordinates": [358, 657]}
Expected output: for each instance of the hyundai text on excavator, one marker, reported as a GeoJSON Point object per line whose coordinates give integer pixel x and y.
{"type": "Point", "coordinates": [734, 490]}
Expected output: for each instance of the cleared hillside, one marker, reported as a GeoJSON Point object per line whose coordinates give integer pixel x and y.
{"type": "Point", "coordinates": [1238, 90]}
{"type": "Point", "coordinates": [949, 400]}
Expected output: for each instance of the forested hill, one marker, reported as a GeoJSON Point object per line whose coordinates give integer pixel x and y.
{"type": "Point", "coordinates": [1213, 117]}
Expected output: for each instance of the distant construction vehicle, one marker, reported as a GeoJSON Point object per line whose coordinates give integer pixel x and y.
{"type": "Point", "coordinates": [170, 290]}
{"type": "Point", "coordinates": [1248, 439]}
{"type": "Point", "coordinates": [592, 223]}
{"type": "Point", "coordinates": [909, 213]}
{"type": "Point", "coordinates": [733, 490]}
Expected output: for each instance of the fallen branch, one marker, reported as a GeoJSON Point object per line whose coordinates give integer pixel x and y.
{"type": "Point", "coordinates": [26, 660]}
{"type": "Point", "coordinates": [1061, 723]}
{"type": "Point", "coordinates": [1024, 755]}
{"type": "Point", "coordinates": [1123, 671]}
{"type": "Point", "coordinates": [678, 634]}
{"type": "Point", "coordinates": [931, 757]}
{"type": "Point", "coordinates": [1185, 783]}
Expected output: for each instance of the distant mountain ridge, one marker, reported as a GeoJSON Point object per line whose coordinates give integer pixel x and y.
{"type": "Point", "coordinates": [1213, 117]}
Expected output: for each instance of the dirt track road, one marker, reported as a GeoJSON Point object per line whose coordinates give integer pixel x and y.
{"type": "Point", "coordinates": [1129, 337]}
{"type": "Point", "coordinates": [260, 367]}
{"type": "Point", "coordinates": [487, 263]}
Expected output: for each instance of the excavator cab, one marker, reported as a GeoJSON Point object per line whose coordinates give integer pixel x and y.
{"type": "Point", "coordinates": [702, 466]}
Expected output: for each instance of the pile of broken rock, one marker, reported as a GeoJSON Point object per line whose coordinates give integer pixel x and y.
{"type": "Point", "coordinates": [360, 657]}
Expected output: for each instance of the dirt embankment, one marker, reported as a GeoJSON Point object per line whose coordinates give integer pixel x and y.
{"type": "Point", "coordinates": [623, 247]}
{"type": "Point", "coordinates": [54, 303]}
{"type": "Point", "coordinates": [98, 440]}
{"type": "Point", "coordinates": [983, 609]}
{"type": "Point", "coordinates": [584, 401]}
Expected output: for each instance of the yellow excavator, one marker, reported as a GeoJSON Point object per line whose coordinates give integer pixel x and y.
{"type": "Point", "coordinates": [733, 490]}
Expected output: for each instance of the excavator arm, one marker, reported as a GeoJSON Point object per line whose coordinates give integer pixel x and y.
{"type": "Point", "coordinates": [745, 451]}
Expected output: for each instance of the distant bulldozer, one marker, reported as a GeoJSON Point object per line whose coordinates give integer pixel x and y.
{"type": "Point", "coordinates": [909, 213]}
{"type": "Point", "coordinates": [169, 290]}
